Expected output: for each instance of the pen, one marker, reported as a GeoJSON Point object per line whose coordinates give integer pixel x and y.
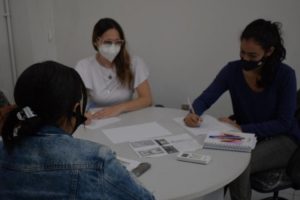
{"type": "Point", "coordinates": [190, 106]}
{"type": "Point", "coordinates": [226, 137]}
{"type": "Point", "coordinates": [233, 136]}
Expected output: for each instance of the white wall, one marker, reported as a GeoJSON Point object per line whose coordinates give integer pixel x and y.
{"type": "Point", "coordinates": [6, 82]}
{"type": "Point", "coordinates": [184, 42]}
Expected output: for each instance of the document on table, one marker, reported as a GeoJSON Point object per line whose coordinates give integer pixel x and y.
{"type": "Point", "coordinates": [98, 123]}
{"type": "Point", "coordinates": [208, 124]}
{"type": "Point", "coordinates": [165, 145]}
{"type": "Point", "coordinates": [135, 132]}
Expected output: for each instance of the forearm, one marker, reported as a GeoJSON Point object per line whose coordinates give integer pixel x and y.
{"type": "Point", "coordinates": [144, 99]}
{"type": "Point", "coordinates": [135, 104]}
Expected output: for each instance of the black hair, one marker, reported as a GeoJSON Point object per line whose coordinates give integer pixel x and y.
{"type": "Point", "coordinates": [267, 34]}
{"type": "Point", "coordinates": [50, 90]}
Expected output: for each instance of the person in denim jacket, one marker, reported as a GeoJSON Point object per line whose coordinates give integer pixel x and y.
{"type": "Point", "coordinates": [41, 160]}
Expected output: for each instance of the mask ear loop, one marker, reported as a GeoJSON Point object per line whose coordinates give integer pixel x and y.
{"type": "Point", "coordinates": [79, 117]}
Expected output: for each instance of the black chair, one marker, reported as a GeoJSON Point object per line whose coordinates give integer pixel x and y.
{"type": "Point", "coordinates": [280, 179]}
{"type": "Point", "coordinates": [3, 99]}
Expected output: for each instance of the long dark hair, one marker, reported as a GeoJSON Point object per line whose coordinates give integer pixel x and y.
{"type": "Point", "coordinates": [50, 90]}
{"type": "Point", "coordinates": [267, 34]}
{"type": "Point", "coordinates": [122, 61]}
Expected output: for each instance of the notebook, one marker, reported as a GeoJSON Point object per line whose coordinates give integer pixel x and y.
{"type": "Point", "coordinates": [231, 141]}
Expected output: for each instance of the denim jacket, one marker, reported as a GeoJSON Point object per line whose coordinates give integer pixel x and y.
{"type": "Point", "coordinates": [54, 165]}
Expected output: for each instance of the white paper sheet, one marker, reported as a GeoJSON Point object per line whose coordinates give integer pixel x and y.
{"type": "Point", "coordinates": [102, 122]}
{"type": "Point", "coordinates": [128, 163]}
{"type": "Point", "coordinates": [209, 124]}
{"type": "Point", "coordinates": [135, 132]}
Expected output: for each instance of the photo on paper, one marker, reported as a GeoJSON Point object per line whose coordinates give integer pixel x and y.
{"type": "Point", "coordinates": [170, 149]}
{"type": "Point", "coordinates": [142, 143]}
{"type": "Point", "coordinates": [151, 152]}
{"type": "Point", "coordinates": [162, 141]}
{"type": "Point", "coordinates": [165, 145]}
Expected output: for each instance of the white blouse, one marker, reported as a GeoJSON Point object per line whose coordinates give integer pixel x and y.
{"type": "Point", "coordinates": [104, 88]}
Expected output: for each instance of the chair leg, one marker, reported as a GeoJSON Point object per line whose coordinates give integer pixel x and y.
{"type": "Point", "coordinates": [275, 197]}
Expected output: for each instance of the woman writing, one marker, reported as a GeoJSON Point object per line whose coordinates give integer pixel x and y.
{"type": "Point", "coordinates": [263, 95]}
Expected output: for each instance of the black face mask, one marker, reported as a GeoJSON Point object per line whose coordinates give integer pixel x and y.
{"type": "Point", "coordinates": [251, 65]}
{"type": "Point", "coordinates": [79, 117]}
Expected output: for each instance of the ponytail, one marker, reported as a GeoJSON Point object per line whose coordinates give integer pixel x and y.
{"type": "Point", "coordinates": [11, 123]}
{"type": "Point", "coordinates": [15, 128]}
{"type": "Point", "coordinates": [45, 94]}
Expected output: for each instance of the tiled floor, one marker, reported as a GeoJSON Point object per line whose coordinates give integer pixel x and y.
{"type": "Point", "coordinates": [289, 194]}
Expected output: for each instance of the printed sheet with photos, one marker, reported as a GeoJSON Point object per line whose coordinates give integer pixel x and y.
{"type": "Point", "coordinates": [161, 146]}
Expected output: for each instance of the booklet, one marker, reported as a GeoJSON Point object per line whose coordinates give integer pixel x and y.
{"type": "Point", "coordinates": [232, 141]}
{"type": "Point", "coordinates": [165, 145]}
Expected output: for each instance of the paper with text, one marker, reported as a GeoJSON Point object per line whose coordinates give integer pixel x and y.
{"type": "Point", "coordinates": [165, 145]}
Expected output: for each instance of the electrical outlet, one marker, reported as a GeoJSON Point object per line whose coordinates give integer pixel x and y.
{"type": "Point", "coordinates": [185, 107]}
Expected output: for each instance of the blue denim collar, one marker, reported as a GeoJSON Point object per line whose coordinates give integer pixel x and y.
{"type": "Point", "coordinates": [52, 130]}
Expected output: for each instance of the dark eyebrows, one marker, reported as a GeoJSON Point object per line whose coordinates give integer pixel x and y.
{"type": "Point", "coordinates": [249, 53]}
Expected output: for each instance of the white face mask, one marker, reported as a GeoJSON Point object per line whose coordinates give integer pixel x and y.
{"type": "Point", "coordinates": [109, 51]}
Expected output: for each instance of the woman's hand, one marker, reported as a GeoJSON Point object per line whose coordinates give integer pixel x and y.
{"type": "Point", "coordinates": [192, 120]}
{"type": "Point", "coordinates": [89, 118]}
{"type": "Point", "coordinates": [229, 121]}
{"type": "Point", "coordinates": [107, 112]}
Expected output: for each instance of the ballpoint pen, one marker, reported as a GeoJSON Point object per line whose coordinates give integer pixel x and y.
{"type": "Point", "coordinates": [227, 136]}
{"type": "Point", "coordinates": [190, 106]}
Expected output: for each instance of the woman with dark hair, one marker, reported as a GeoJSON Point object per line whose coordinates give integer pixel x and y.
{"type": "Point", "coordinates": [263, 95]}
{"type": "Point", "coordinates": [112, 75]}
{"type": "Point", "coordinates": [41, 160]}
{"type": "Point", "coordinates": [5, 107]}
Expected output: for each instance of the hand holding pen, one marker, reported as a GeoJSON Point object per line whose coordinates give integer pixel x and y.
{"type": "Point", "coordinates": [192, 119]}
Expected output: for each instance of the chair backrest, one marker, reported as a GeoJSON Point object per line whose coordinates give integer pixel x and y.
{"type": "Point", "coordinates": [297, 114]}
{"type": "Point", "coordinates": [3, 99]}
{"type": "Point", "coordinates": [293, 168]}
